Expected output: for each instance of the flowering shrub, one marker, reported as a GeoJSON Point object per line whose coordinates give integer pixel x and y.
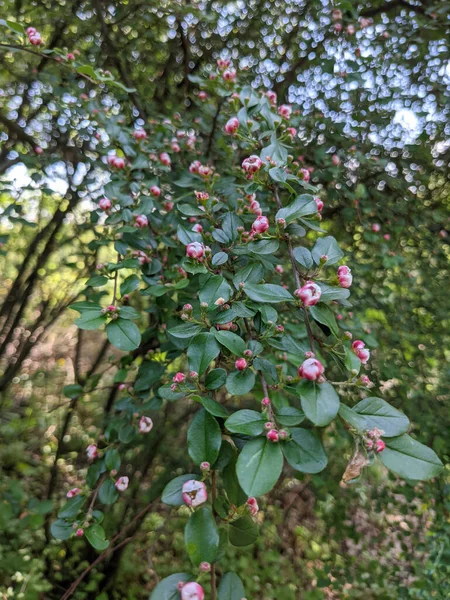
{"type": "Point", "coordinates": [241, 283]}
{"type": "Point", "coordinates": [230, 265]}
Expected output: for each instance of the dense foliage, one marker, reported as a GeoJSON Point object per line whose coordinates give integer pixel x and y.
{"type": "Point", "coordinates": [205, 185]}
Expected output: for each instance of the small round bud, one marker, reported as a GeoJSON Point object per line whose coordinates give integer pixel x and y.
{"type": "Point", "coordinates": [248, 353]}
{"type": "Point", "coordinates": [205, 466]}
{"type": "Point", "coordinates": [273, 435]}
{"type": "Point", "coordinates": [265, 401]}
{"type": "Point", "coordinates": [268, 425]}
{"type": "Point", "coordinates": [205, 567]}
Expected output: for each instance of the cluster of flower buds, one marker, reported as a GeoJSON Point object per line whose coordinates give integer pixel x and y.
{"type": "Point", "coordinates": [273, 434]}
{"type": "Point", "coordinates": [34, 37]}
{"type": "Point", "coordinates": [140, 221]}
{"type": "Point", "coordinates": [116, 161]}
{"type": "Point", "coordinates": [363, 353]}
{"type": "Point", "coordinates": [223, 63]}
{"type": "Point", "coordinates": [177, 379]}
{"type": "Point", "coordinates": [311, 368]}
{"type": "Point", "coordinates": [309, 294]}
{"type": "Point", "coordinates": [345, 276]}
{"type": "Point", "coordinates": [251, 165]}
{"type": "Point", "coordinates": [194, 493]}
{"type": "Point", "coordinates": [122, 483]}
{"type": "Point", "coordinates": [191, 591]}
{"type": "Point", "coordinates": [373, 442]}
{"type": "Point", "coordinates": [201, 197]}
{"type": "Point", "coordinates": [260, 225]}
{"type": "Point", "coordinates": [229, 75]}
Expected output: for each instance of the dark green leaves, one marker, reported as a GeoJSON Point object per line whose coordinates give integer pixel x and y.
{"type": "Point", "coordinates": [373, 413]}
{"type": "Point", "coordinates": [304, 452]}
{"type": "Point", "coordinates": [215, 379]}
{"type": "Point", "coordinates": [172, 494]}
{"type": "Point", "coordinates": [186, 330]}
{"type": "Point", "coordinates": [204, 438]}
{"type": "Point", "coordinates": [230, 588]}
{"type": "Point", "coordinates": [323, 314]}
{"type": "Point", "coordinates": [123, 334]}
{"type": "Point", "coordinates": [234, 343]}
{"type": "Point", "coordinates": [202, 351]}
{"type": "Point", "coordinates": [243, 531]}
{"type": "Point", "coordinates": [327, 246]}
{"type": "Point", "coordinates": [304, 257]}
{"type": "Point", "coordinates": [108, 493]}
{"type": "Point", "coordinates": [214, 288]}
{"type": "Point", "coordinates": [240, 382]}
{"type": "Point", "coordinates": [410, 459]}
{"type": "Point", "coordinates": [95, 535]}
{"type": "Point", "coordinates": [320, 403]}
{"type": "Point", "coordinates": [267, 292]}
{"type": "Point", "coordinates": [259, 466]}
{"type": "Point", "coordinates": [201, 536]}
{"type": "Point", "coordinates": [247, 422]}
{"type": "Point", "coordinates": [301, 207]}
{"type": "Point", "coordinates": [90, 319]}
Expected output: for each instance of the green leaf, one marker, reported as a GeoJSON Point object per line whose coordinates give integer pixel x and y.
{"type": "Point", "coordinates": [320, 403]}
{"type": "Point", "coordinates": [376, 413]}
{"type": "Point", "coordinates": [230, 588]}
{"type": "Point", "coordinates": [243, 532]}
{"type": "Point", "coordinates": [186, 330]}
{"type": "Point", "coordinates": [252, 273]}
{"type": "Point", "coordinates": [215, 287]}
{"type": "Point", "coordinates": [259, 466]}
{"type": "Point", "coordinates": [91, 319]}
{"type": "Point", "coordinates": [87, 70]}
{"type": "Point", "coordinates": [304, 257]}
{"type": "Point", "coordinates": [214, 408]}
{"type": "Point", "coordinates": [234, 343]}
{"type": "Point", "coordinates": [16, 27]}
{"type": "Point", "coordinates": [247, 422]}
{"type": "Point", "coordinates": [61, 530]}
{"type": "Point", "coordinates": [95, 535]}
{"type": "Point", "coordinates": [204, 438]}
{"type": "Point", "coordinates": [290, 416]}
{"type": "Point", "coordinates": [190, 211]}
{"type": "Point", "coordinates": [201, 536]}
{"type": "Point", "coordinates": [304, 452]}
{"type": "Point", "coordinates": [72, 391]}
{"type": "Point", "coordinates": [202, 350]}
{"type": "Point", "coordinates": [332, 293]}
{"type": "Point", "coordinates": [72, 507]}
{"type": "Point", "coordinates": [108, 493]}
{"type": "Point", "coordinates": [240, 382]}
{"type": "Point", "coordinates": [263, 247]}
{"type": "Point", "coordinates": [130, 284]}
{"type": "Point", "coordinates": [410, 459]}
{"type": "Point", "coordinates": [97, 281]}
{"type": "Point", "coordinates": [173, 494]}
{"type": "Point", "coordinates": [267, 292]}
{"type": "Point", "coordinates": [302, 206]}
{"type": "Point", "coordinates": [323, 314]}
{"type": "Point", "coordinates": [167, 589]}
{"type": "Point", "coordinates": [328, 246]}
{"type": "Point", "coordinates": [123, 334]}
{"type": "Point", "coordinates": [352, 362]}
{"type": "Point", "coordinates": [219, 259]}
{"type": "Point", "coordinates": [215, 379]}
{"type": "Point", "coordinates": [112, 459]}
{"type": "Point", "coordinates": [129, 313]}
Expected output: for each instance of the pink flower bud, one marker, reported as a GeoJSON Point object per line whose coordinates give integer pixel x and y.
{"type": "Point", "coordinates": [122, 386]}
{"type": "Point", "coordinates": [145, 424]}
{"type": "Point", "coordinates": [272, 96]}
{"type": "Point", "coordinates": [187, 307]}
{"type": "Point", "coordinates": [139, 134]}
{"type": "Point", "coordinates": [194, 493]}
{"type": "Point", "coordinates": [195, 250]}
{"type": "Point", "coordinates": [193, 374]}
{"type": "Point", "coordinates": [155, 191]}
{"type": "Point", "coordinates": [387, 236]}
{"type": "Point", "coordinates": [379, 446]}
{"type": "Point", "coordinates": [273, 436]}
{"type": "Point", "coordinates": [252, 164]}
{"type": "Point", "coordinates": [311, 369]}
{"type": "Point", "coordinates": [376, 227]}
{"type": "Point", "coordinates": [291, 131]}
{"type": "Point", "coordinates": [335, 160]}
{"type": "Point", "coordinates": [202, 96]}
{"type": "Point", "coordinates": [248, 353]}
{"type": "Point", "coordinates": [79, 532]}
{"type": "Point", "coordinates": [119, 163]}
{"type": "Point", "coordinates": [38, 150]}
{"type": "Point", "coordinates": [269, 425]}
{"type": "Point", "coordinates": [260, 225]}
{"type": "Point", "coordinates": [192, 591]}
{"type": "Point", "coordinates": [345, 276]}
{"type": "Point", "coordinates": [197, 228]}
{"type": "Point", "coordinates": [319, 203]}
{"type": "Point", "coordinates": [205, 567]}
{"type": "Point", "coordinates": [231, 126]}
{"type": "Point", "coordinates": [179, 377]}
{"type": "Point", "coordinates": [361, 351]}
{"type": "Point", "coordinates": [240, 364]}
{"type": "Point", "coordinates": [105, 204]}
{"type": "Point", "coordinates": [265, 401]}
{"type": "Point", "coordinates": [252, 506]}
{"type": "Point", "coordinates": [285, 111]}
{"type": "Point", "coordinates": [229, 75]}
{"type": "Point", "coordinates": [309, 294]}
{"type": "Point", "coordinates": [165, 159]}
{"type": "Point", "coordinates": [122, 483]}
{"type": "Point", "coordinates": [205, 466]}
{"type": "Point", "coordinates": [92, 451]}
{"type": "Point", "coordinates": [70, 56]}
{"type": "Point", "coordinates": [73, 492]}
{"type": "Point", "coordinates": [305, 174]}
{"type": "Point", "coordinates": [283, 434]}
{"type": "Point", "coordinates": [281, 222]}
{"type": "Point", "coordinates": [365, 381]}
{"type": "Point", "coordinates": [141, 221]}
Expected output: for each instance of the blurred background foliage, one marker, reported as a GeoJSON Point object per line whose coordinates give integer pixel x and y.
{"type": "Point", "coordinates": [378, 99]}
